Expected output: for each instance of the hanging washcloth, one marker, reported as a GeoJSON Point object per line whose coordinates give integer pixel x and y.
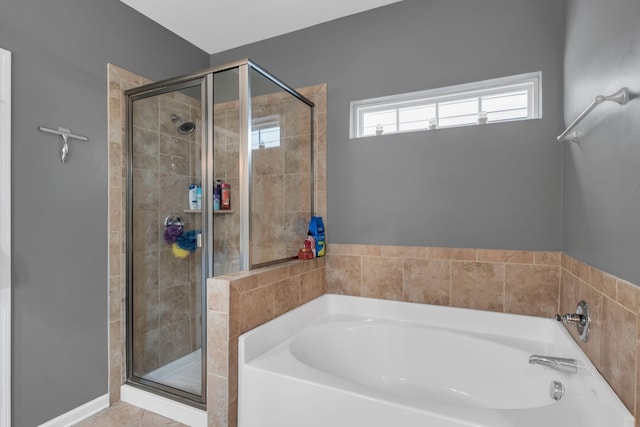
{"type": "Point", "coordinates": [188, 240]}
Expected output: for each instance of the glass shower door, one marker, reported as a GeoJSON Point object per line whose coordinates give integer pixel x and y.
{"type": "Point", "coordinates": [164, 244]}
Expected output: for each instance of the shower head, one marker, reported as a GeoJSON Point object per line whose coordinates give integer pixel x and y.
{"type": "Point", "coordinates": [185, 128]}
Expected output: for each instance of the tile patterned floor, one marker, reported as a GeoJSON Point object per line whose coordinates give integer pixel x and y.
{"type": "Point", "coordinates": [122, 414]}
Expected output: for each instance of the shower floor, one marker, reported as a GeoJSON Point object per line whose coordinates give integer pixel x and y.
{"type": "Point", "coordinates": [184, 373]}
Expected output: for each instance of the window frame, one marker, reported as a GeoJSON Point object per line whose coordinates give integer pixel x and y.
{"type": "Point", "coordinates": [531, 82]}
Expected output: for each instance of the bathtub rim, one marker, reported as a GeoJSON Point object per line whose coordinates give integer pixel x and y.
{"type": "Point", "coordinates": [288, 324]}
{"type": "Point", "coordinates": [260, 340]}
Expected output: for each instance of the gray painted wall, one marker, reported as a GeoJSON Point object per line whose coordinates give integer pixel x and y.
{"type": "Point", "coordinates": [60, 53]}
{"type": "Point", "coordinates": [496, 186]}
{"type": "Point", "coordinates": [601, 174]}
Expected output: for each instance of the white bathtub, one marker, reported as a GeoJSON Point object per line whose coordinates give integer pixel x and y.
{"type": "Point", "coordinates": [348, 362]}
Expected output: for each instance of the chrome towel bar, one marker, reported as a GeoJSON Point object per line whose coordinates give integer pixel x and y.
{"type": "Point", "coordinates": [621, 97]}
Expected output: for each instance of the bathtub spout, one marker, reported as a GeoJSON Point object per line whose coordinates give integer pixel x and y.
{"type": "Point", "coordinates": [561, 364]}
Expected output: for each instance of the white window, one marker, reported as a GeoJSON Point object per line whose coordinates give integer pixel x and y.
{"type": "Point", "coordinates": [489, 101]}
{"type": "Point", "coordinates": [265, 133]}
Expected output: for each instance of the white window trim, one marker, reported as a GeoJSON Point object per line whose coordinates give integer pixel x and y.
{"type": "Point", "coordinates": [439, 95]}
{"type": "Point", "coordinates": [5, 238]}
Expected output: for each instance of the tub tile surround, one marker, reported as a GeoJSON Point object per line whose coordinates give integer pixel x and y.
{"type": "Point", "coordinates": [523, 282]}
{"type": "Point", "coordinates": [614, 343]}
{"type": "Point", "coordinates": [520, 282]}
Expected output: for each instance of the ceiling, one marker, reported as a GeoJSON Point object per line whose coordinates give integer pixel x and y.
{"type": "Point", "coordinates": [218, 25]}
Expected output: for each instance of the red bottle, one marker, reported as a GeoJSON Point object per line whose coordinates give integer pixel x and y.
{"type": "Point", "coordinates": [226, 196]}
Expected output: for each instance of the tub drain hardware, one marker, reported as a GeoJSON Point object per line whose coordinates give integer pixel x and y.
{"type": "Point", "coordinates": [556, 390]}
{"type": "Point", "coordinates": [580, 318]}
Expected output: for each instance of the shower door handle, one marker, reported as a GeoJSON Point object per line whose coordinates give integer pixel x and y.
{"type": "Point", "coordinates": [199, 240]}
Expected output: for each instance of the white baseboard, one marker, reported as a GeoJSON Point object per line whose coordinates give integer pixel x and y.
{"type": "Point", "coordinates": [80, 413]}
{"type": "Point", "coordinates": [180, 412]}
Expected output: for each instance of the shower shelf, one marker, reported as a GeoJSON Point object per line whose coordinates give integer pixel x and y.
{"type": "Point", "coordinates": [197, 211]}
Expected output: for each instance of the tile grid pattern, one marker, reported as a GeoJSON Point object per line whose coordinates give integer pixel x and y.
{"type": "Point", "coordinates": [119, 80]}
{"type": "Point", "coordinates": [311, 284]}
{"type": "Point", "coordinates": [614, 343]}
{"type": "Point", "coordinates": [124, 415]}
{"type": "Point", "coordinates": [239, 302]}
{"type": "Point", "coordinates": [450, 273]}
{"type": "Point", "coordinates": [168, 325]}
{"type": "Point", "coordinates": [226, 157]}
{"type": "Point", "coordinates": [523, 282]}
{"type": "Point", "coordinates": [242, 301]}
{"type": "Point", "coordinates": [281, 180]}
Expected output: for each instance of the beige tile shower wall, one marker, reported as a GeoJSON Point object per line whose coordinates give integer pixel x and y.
{"type": "Point", "coordinates": [165, 163]}
{"type": "Point", "coordinates": [614, 341]}
{"type": "Point", "coordinates": [226, 160]}
{"type": "Point", "coordinates": [318, 95]}
{"type": "Point", "coordinates": [522, 282]}
{"type": "Point", "coordinates": [178, 282]}
{"type": "Point", "coordinates": [239, 302]}
{"type": "Point", "coordinates": [119, 80]}
{"type": "Point", "coordinates": [280, 199]}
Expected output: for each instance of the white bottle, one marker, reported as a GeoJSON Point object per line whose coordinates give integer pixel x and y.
{"type": "Point", "coordinates": [193, 196]}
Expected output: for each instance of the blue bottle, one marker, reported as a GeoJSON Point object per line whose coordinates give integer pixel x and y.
{"type": "Point", "coordinates": [217, 195]}
{"type": "Point", "coordinates": [316, 228]}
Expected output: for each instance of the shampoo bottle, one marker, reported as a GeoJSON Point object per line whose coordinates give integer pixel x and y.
{"type": "Point", "coordinates": [316, 227]}
{"type": "Point", "coordinates": [226, 196]}
{"type": "Point", "coordinates": [193, 196]}
{"type": "Point", "coordinates": [217, 195]}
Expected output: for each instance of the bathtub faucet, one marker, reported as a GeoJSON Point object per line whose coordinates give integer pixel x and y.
{"type": "Point", "coordinates": [561, 364]}
{"type": "Point", "coordinates": [580, 319]}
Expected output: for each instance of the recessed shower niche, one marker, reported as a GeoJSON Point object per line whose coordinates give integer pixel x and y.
{"type": "Point", "coordinates": [235, 125]}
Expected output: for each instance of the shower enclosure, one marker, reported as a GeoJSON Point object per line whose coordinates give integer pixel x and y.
{"type": "Point", "coordinates": [234, 125]}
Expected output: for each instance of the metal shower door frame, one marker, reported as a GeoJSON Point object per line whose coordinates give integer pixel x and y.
{"type": "Point", "coordinates": [132, 95]}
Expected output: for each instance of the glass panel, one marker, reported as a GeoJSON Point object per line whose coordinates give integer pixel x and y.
{"type": "Point", "coordinates": [386, 118]}
{"type": "Point", "coordinates": [280, 171]}
{"type": "Point", "coordinates": [166, 264]}
{"type": "Point", "coordinates": [506, 101]}
{"type": "Point", "coordinates": [457, 108]}
{"type": "Point", "coordinates": [415, 118]}
{"type": "Point", "coordinates": [507, 115]}
{"type": "Point", "coordinates": [226, 171]}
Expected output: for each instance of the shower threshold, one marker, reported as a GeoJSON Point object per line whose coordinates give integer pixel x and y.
{"type": "Point", "coordinates": [183, 373]}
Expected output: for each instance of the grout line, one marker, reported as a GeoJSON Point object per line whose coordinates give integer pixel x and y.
{"type": "Point", "coordinates": [559, 290]}
{"type": "Point", "coordinates": [404, 297]}
{"type": "Point", "coordinates": [361, 281]}
{"type": "Point", "coordinates": [450, 283]}
{"type": "Point", "coordinates": [504, 287]}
